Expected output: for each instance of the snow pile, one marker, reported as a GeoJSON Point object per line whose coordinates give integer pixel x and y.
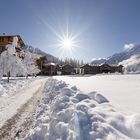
{"type": "Point", "coordinates": [15, 85]}
{"type": "Point", "coordinates": [123, 91]}
{"type": "Point", "coordinates": [65, 113]}
{"type": "Point", "coordinates": [132, 65]}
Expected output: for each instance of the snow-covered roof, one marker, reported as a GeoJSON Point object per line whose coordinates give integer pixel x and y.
{"type": "Point", "coordinates": [50, 64]}
{"type": "Point", "coordinates": [89, 65]}
{"type": "Point", "coordinates": [8, 34]}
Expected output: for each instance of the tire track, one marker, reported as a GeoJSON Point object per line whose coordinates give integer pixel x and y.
{"type": "Point", "coordinates": [17, 127]}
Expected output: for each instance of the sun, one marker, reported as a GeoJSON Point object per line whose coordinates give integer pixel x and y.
{"type": "Point", "coordinates": [67, 43]}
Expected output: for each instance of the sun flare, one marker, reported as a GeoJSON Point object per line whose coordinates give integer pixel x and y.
{"type": "Point", "coordinates": [67, 43]}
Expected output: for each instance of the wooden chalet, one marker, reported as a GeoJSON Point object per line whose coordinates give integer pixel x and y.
{"type": "Point", "coordinates": [118, 68]}
{"type": "Point", "coordinates": [86, 69]}
{"type": "Point", "coordinates": [89, 69]}
{"type": "Point", "coordinates": [41, 62]}
{"type": "Point", "coordinates": [49, 69]}
{"type": "Point", "coordinates": [104, 68]}
{"type": "Point", "coordinates": [8, 39]}
{"type": "Point", "coordinates": [67, 69]}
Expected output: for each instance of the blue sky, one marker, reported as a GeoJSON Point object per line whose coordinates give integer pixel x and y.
{"type": "Point", "coordinates": [100, 27]}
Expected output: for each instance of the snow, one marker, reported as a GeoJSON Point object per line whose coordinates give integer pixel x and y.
{"type": "Point", "coordinates": [129, 46]}
{"type": "Point", "coordinates": [121, 90]}
{"type": "Point", "coordinates": [66, 113]}
{"type": "Point", "coordinates": [9, 105]}
{"type": "Point", "coordinates": [15, 85]}
{"type": "Point", "coordinates": [129, 51]}
{"type": "Point", "coordinates": [132, 65]}
{"type": "Point", "coordinates": [30, 62]}
{"type": "Point", "coordinates": [10, 63]}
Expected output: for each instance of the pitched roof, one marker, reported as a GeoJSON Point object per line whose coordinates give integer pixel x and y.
{"type": "Point", "coordinates": [86, 65]}
{"type": "Point", "coordinates": [12, 35]}
{"type": "Point", "coordinates": [68, 65]}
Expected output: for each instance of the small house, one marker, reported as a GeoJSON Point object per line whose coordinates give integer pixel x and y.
{"type": "Point", "coordinates": [105, 68]}
{"type": "Point", "coordinates": [50, 69]}
{"type": "Point", "coordinates": [119, 68]}
{"type": "Point", "coordinates": [86, 69]}
{"type": "Point", "coordinates": [89, 69]}
{"type": "Point", "coordinates": [67, 69]}
{"type": "Point", "coordinates": [41, 62]}
{"type": "Point", "coordinates": [96, 69]}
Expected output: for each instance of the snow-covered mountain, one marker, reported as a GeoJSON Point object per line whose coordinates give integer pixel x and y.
{"type": "Point", "coordinates": [98, 61]}
{"type": "Point", "coordinates": [132, 65]}
{"type": "Point", "coordinates": [119, 57]}
{"type": "Point", "coordinates": [49, 57]}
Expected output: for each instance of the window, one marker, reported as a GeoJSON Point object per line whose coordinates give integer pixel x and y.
{"type": "Point", "coordinates": [1, 39]}
{"type": "Point", "coordinates": [1, 49]}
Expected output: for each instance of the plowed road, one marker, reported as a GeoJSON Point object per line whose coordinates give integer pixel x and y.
{"type": "Point", "coordinates": [17, 111]}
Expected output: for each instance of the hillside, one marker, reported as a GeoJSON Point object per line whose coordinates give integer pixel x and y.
{"type": "Point", "coordinates": [49, 57]}
{"type": "Point", "coordinates": [119, 57]}
{"type": "Point", "coordinates": [132, 65]}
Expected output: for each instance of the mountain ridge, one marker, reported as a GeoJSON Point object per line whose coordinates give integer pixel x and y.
{"type": "Point", "coordinates": [119, 57]}
{"type": "Point", "coordinates": [50, 58]}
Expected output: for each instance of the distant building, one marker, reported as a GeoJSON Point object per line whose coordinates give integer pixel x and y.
{"type": "Point", "coordinates": [8, 39]}
{"type": "Point", "coordinates": [41, 62]}
{"type": "Point", "coordinates": [89, 69]}
{"type": "Point", "coordinates": [50, 69]}
{"type": "Point", "coordinates": [104, 68]}
{"type": "Point", "coordinates": [67, 69]}
{"type": "Point", "coordinates": [86, 69]}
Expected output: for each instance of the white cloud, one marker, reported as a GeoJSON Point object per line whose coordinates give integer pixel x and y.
{"type": "Point", "coordinates": [128, 46]}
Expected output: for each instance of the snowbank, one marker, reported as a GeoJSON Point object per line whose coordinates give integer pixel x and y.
{"type": "Point", "coordinates": [15, 85]}
{"type": "Point", "coordinates": [121, 90]}
{"type": "Point", "coordinates": [132, 65]}
{"type": "Point", "coordinates": [66, 113]}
